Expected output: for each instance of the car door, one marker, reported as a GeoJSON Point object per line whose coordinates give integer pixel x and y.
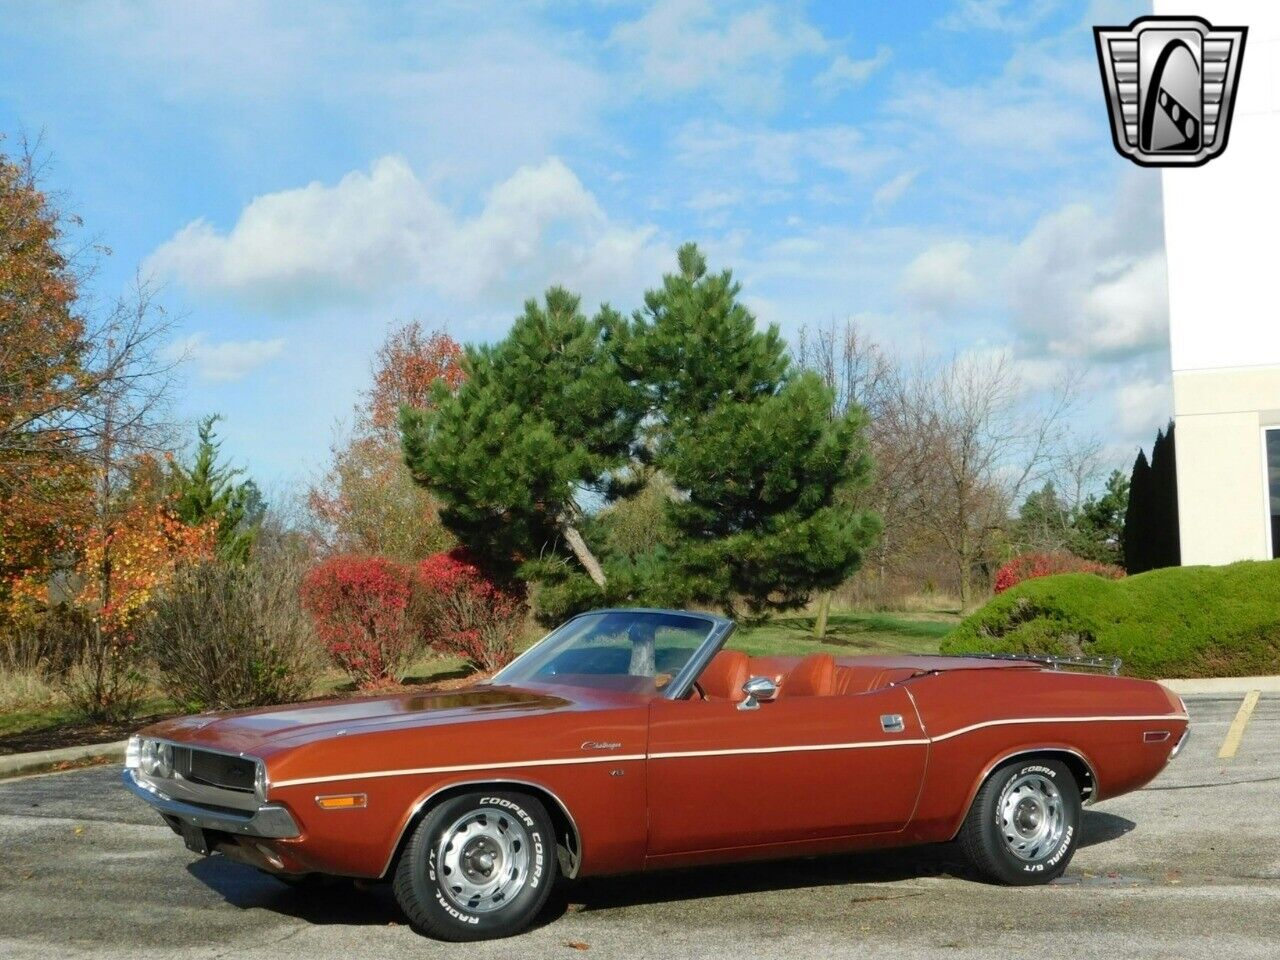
{"type": "Point", "coordinates": [795, 769]}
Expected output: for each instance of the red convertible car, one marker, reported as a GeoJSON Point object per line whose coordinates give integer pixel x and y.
{"type": "Point", "coordinates": [633, 740]}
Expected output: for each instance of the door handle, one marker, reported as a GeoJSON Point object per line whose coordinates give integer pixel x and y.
{"type": "Point", "coordinates": [892, 723]}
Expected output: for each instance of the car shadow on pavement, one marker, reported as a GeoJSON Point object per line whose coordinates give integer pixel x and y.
{"type": "Point", "coordinates": [339, 902]}
{"type": "Point", "coordinates": [320, 901]}
{"type": "Point", "coordinates": [869, 868]}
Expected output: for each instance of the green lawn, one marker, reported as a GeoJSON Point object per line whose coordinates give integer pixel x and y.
{"type": "Point", "coordinates": [848, 634]}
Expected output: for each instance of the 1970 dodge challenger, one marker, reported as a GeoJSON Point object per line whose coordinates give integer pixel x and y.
{"type": "Point", "coordinates": [631, 740]}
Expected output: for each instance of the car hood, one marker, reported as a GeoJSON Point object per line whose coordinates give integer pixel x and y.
{"type": "Point", "coordinates": [251, 730]}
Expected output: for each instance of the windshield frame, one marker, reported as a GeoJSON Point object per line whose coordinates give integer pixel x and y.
{"type": "Point", "coordinates": [718, 630]}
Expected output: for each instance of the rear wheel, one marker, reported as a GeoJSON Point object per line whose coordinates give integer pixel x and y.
{"type": "Point", "coordinates": [479, 866]}
{"type": "Point", "coordinates": [1024, 823]}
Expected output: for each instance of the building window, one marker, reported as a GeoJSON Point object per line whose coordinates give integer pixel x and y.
{"type": "Point", "coordinates": [1273, 488]}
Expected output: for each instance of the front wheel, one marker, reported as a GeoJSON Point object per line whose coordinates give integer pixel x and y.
{"type": "Point", "coordinates": [1024, 823]}
{"type": "Point", "coordinates": [479, 866]}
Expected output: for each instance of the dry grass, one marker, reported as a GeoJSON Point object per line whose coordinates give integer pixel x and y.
{"type": "Point", "coordinates": [22, 690]}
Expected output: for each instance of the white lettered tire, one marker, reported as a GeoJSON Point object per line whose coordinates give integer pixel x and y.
{"type": "Point", "coordinates": [479, 866]}
{"type": "Point", "coordinates": [1024, 824]}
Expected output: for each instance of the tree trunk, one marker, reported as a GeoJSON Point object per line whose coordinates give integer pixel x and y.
{"type": "Point", "coordinates": [966, 586]}
{"type": "Point", "coordinates": [580, 550]}
{"type": "Point", "coordinates": [824, 610]}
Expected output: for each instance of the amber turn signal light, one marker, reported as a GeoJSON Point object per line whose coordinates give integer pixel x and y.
{"type": "Point", "coordinates": [342, 801]}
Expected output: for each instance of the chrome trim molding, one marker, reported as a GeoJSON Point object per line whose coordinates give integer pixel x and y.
{"type": "Point", "coordinates": [1182, 742]}
{"type": "Point", "coordinates": [575, 856]}
{"type": "Point", "coordinates": [269, 820]}
{"type": "Point", "coordinates": [682, 682]}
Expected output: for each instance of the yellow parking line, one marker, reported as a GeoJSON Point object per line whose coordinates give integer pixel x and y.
{"type": "Point", "coordinates": [1236, 732]}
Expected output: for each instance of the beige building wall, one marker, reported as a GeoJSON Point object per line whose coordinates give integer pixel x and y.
{"type": "Point", "coordinates": [1224, 512]}
{"type": "Point", "coordinates": [1221, 236]}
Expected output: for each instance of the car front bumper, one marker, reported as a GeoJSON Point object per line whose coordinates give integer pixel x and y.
{"type": "Point", "coordinates": [269, 820]}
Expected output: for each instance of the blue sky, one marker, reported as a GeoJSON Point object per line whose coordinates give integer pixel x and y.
{"type": "Point", "coordinates": [297, 177]}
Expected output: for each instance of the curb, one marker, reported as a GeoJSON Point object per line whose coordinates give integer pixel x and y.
{"type": "Point", "coordinates": [17, 764]}
{"type": "Point", "coordinates": [1224, 685]}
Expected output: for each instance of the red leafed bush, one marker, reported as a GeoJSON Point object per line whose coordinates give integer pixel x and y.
{"type": "Point", "coordinates": [466, 614]}
{"type": "Point", "coordinates": [1028, 566]}
{"type": "Point", "coordinates": [362, 607]}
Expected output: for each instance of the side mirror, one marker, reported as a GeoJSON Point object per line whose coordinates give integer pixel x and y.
{"type": "Point", "coordinates": [757, 689]}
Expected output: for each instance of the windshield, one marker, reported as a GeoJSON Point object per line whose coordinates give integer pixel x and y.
{"type": "Point", "coordinates": [634, 650]}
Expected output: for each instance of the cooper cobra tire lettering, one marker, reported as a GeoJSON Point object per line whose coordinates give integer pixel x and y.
{"type": "Point", "coordinates": [1062, 848]}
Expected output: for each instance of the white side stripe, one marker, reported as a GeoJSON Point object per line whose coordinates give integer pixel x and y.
{"type": "Point", "coordinates": [795, 749]}
{"type": "Point", "coordinates": [729, 752]}
{"type": "Point", "coordinates": [459, 769]}
{"type": "Point", "coordinates": [1005, 723]}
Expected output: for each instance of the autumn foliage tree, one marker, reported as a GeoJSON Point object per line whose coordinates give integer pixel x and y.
{"type": "Point", "coordinates": [362, 610]}
{"type": "Point", "coordinates": [367, 502]}
{"type": "Point", "coordinates": [83, 402]}
{"type": "Point", "coordinates": [465, 613]}
{"type": "Point", "coordinates": [43, 380]}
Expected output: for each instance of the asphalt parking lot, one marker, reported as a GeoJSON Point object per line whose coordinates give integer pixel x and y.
{"type": "Point", "coordinates": [1189, 867]}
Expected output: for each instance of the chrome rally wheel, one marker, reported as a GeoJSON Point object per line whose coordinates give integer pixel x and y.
{"type": "Point", "coordinates": [478, 866]}
{"type": "Point", "coordinates": [482, 860]}
{"type": "Point", "coordinates": [1031, 815]}
{"type": "Point", "coordinates": [1024, 823]}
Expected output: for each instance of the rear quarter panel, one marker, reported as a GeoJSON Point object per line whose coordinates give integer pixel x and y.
{"type": "Point", "coordinates": [976, 719]}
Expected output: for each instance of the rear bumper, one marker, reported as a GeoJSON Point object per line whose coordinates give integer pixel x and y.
{"type": "Point", "coordinates": [1182, 742]}
{"type": "Point", "coordinates": [269, 820]}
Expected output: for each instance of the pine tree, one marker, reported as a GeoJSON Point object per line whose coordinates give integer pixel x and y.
{"type": "Point", "coordinates": [1137, 518]}
{"type": "Point", "coordinates": [207, 490]}
{"type": "Point", "coordinates": [540, 422]}
{"type": "Point", "coordinates": [1098, 529]}
{"type": "Point", "coordinates": [764, 472]}
{"type": "Point", "coordinates": [1165, 540]}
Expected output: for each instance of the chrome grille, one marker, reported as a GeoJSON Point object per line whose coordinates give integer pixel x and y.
{"type": "Point", "coordinates": [215, 769]}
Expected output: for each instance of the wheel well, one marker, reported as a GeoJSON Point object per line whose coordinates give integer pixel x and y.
{"type": "Point", "coordinates": [568, 840]}
{"type": "Point", "coordinates": [1079, 767]}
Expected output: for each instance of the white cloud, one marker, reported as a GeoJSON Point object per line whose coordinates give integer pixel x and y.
{"type": "Point", "coordinates": [891, 191]}
{"type": "Point", "coordinates": [1091, 283]}
{"type": "Point", "coordinates": [687, 45]}
{"type": "Point", "coordinates": [713, 199]}
{"type": "Point", "coordinates": [1004, 16]}
{"type": "Point", "coordinates": [1142, 407]}
{"type": "Point", "coordinates": [228, 360]}
{"type": "Point", "coordinates": [845, 72]}
{"type": "Point", "coordinates": [1039, 110]}
{"type": "Point", "coordinates": [941, 278]}
{"type": "Point", "coordinates": [384, 229]}
{"type": "Point", "coordinates": [732, 152]}
{"type": "Point", "coordinates": [476, 87]}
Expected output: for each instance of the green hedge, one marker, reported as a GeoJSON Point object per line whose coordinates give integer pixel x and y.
{"type": "Point", "coordinates": [1175, 622]}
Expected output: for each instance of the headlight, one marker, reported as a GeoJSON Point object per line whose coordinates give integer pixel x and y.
{"type": "Point", "coordinates": [260, 781]}
{"type": "Point", "coordinates": [149, 757]}
{"type": "Point", "coordinates": [155, 758]}
{"type": "Point", "coordinates": [164, 759]}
